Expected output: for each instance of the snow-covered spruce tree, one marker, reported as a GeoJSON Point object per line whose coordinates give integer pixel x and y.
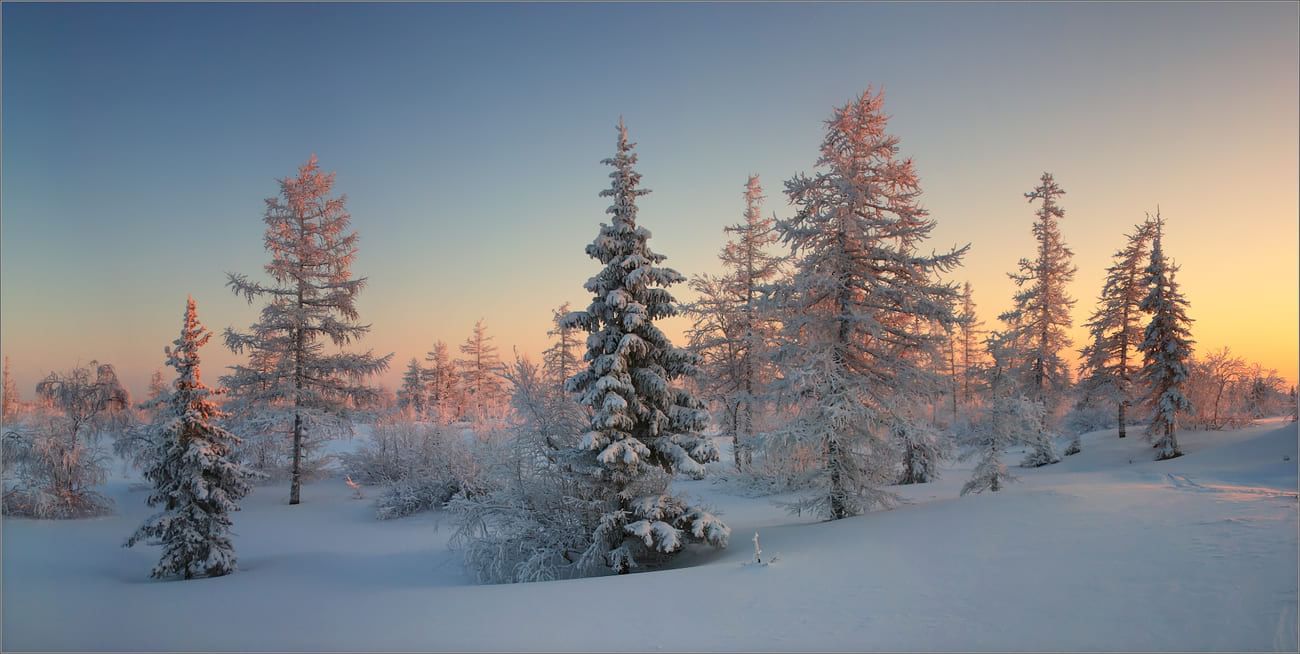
{"type": "Point", "coordinates": [480, 374]}
{"type": "Point", "coordinates": [443, 392]}
{"type": "Point", "coordinates": [850, 345]}
{"type": "Point", "coordinates": [1109, 365]}
{"type": "Point", "coordinates": [412, 397]}
{"type": "Point", "coordinates": [1042, 312]}
{"type": "Point", "coordinates": [560, 360]}
{"type": "Point", "coordinates": [1166, 348]}
{"type": "Point", "coordinates": [731, 332]}
{"type": "Point", "coordinates": [642, 429]}
{"type": "Point", "coordinates": [195, 479]}
{"type": "Point", "coordinates": [292, 382]}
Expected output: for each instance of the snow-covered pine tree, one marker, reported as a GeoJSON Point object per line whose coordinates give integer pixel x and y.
{"type": "Point", "coordinates": [642, 429]}
{"type": "Point", "coordinates": [971, 333]}
{"type": "Point", "coordinates": [195, 478]}
{"type": "Point", "coordinates": [850, 310]}
{"type": "Point", "coordinates": [560, 360]}
{"type": "Point", "coordinates": [412, 397]}
{"type": "Point", "coordinates": [731, 332]}
{"type": "Point", "coordinates": [1108, 367]}
{"type": "Point", "coordinates": [1042, 312]}
{"type": "Point", "coordinates": [291, 381]}
{"type": "Point", "coordinates": [8, 397]}
{"type": "Point", "coordinates": [480, 374]}
{"type": "Point", "coordinates": [1166, 348]}
{"type": "Point", "coordinates": [440, 378]}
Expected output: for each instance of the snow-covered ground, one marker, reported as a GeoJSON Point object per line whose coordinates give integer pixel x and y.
{"type": "Point", "coordinates": [1105, 551]}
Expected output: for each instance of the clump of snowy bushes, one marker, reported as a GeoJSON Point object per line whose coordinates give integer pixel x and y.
{"type": "Point", "coordinates": [546, 517]}
{"type": "Point", "coordinates": [53, 458]}
{"type": "Point", "coordinates": [422, 466]}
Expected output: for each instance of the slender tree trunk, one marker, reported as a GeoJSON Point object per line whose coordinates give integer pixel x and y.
{"type": "Point", "coordinates": [952, 367]}
{"type": "Point", "coordinates": [295, 475]}
{"type": "Point", "coordinates": [1215, 420]}
{"type": "Point", "coordinates": [1123, 407]}
{"type": "Point", "coordinates": [833, 454]}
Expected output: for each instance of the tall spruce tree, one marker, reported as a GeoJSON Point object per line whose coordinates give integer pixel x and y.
{"type": "Point", "coordinates": [851, 349]}
{"type": "Point", "coordinates": [291, 377]}
{"type": "Point", "coordinates": [642, 428]}
{"type": "Point", "coordinates": [1166, 348]}
{"type": "Point", "coordinates": [1109, 363]}
{"type": "Point", "coordinates": [1041, 312]}
{"type": "Point", "coordinates": [195, 478]}
{"type": "Point", "coordinates": [731, 332]}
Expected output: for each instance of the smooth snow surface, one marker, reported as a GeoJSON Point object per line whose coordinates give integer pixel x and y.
{"type": "Point", "coordinates": [1094, 553]}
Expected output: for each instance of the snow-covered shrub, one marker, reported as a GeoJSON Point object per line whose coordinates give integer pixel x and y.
{"type": "Point", "coordinates": [422, 465]}
{"type": "Point", "coordinates": [778, 465]}
{"type": "Point", "coordinates": [537, 520]}
{"type": "Point", "coordinates": [52, 470]}
{"type": "Point", "coordinates": [1090, 417]}
{"type": "Point", "coordinates": [54, 456]}
{"type": "Point", "coordinates": [411, 496]}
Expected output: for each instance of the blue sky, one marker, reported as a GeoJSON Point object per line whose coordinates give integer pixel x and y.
{"type": "Point", "coordinates": [140, 141]}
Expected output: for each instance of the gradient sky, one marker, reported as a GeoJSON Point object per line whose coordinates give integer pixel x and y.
{"type": "Point", "coordinates": [140, 140]}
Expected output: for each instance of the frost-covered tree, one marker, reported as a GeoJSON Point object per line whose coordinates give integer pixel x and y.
{"type": "Point", "coordinates": [1041, 312]}
{"type": "Point", "coordinates": [442, 392]}
{"type": "Point", "coordinates": [9, 401]}
{"type": "Point", "coordinates": [413, 394]}
{"type": "Point", "coordinates": [293, 382]}
{"type": "Point", "coordinates": [195, 478]}
{"type": "Point", "coordinates": [1166, 348]}
{"type": "Point", "coordinates": [560, 360]}
{"type": "Point", "coordinates": [851, 350]}
{"type": "Point", "coordinates": [732, 333]}
{"type": "Point", "coordinates": [1008, 418]}
{"type": "Point", "coordinates": [642, 429]}
{"type": "Point", "coordinates": [922, 445]}
{"type": "Point", "coordinates": [157, 386]}
{"type": "Point", "coordinates": [480, 373]}
{"type": "Point", "coordinates": [1002, 425]}
{"type": "Point", "coordinates": [971, 334]}
{"type": "Point", "coordinates": [1109, 362]}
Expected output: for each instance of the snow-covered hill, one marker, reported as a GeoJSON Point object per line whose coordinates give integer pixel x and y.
{"type": "Point", "coordinates": [1107, 550]}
